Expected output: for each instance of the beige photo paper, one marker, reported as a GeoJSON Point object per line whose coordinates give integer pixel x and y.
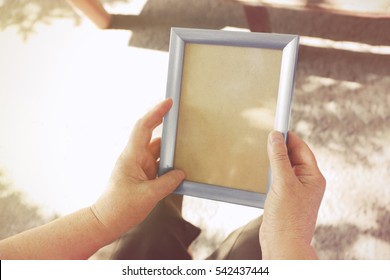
{"type": "Point", "coordinates": [227, 108]}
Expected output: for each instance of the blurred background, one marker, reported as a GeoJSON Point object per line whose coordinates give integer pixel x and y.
{"type": "Point", "coordinates": [71, 92]}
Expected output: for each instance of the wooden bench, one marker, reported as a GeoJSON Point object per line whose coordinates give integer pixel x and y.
{"type": "Point", "coordinates": [258, 18]}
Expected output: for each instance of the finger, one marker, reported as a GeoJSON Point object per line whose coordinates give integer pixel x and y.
{"type": "Point", "coordinates": [278, 155]}
{"type": "Point", "coordinates": [304, 163]}
{"type": "Point", "coordinates": [167, 183]}
{"type": "Point", "coordinates": [154, 148]}
{"type": "Point", "coordinates": [299, 152]}
{"type": "Point", "coordinates": [142, 132]}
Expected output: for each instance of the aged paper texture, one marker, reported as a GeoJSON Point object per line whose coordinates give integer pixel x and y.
{"type": "Point", "coordinates": [227, 108]}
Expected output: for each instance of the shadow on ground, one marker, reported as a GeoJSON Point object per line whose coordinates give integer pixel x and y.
{"type": "Point", "coordinates": [25, 15]}
{"type": "Point", "coordinates": [337, 241]}
{"type": "Point", "coordinates": [340, 103]}
{"type": "Point", "coordinates": [17, 214]}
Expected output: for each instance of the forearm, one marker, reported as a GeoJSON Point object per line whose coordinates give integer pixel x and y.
{"type": "Point", "coordinates": [76, 236]}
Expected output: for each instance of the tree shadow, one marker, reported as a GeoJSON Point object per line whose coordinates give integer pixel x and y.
{"type": "Point", "coordinates": [382, 231]}
{"type": "Point", "coordinates": [341, 102]}
{"type": "Point", "coordinates": [25, 15]}
{"type": "Point", "coordinates": [337, 241]}
{"type": "Point", "coordinates": [17, 214]}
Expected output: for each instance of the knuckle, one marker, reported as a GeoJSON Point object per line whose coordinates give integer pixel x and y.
{"type": "Point", "coordinates": [322, 181]}
{"type": "Point", "coordinates": [141, 123]}
{"type": "Point", "coordinates": [280, 156]}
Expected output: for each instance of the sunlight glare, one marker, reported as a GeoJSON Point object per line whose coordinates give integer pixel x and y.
{"type": "Point", "coordinates": [343, 45]}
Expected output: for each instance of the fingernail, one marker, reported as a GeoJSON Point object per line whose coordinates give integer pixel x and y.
{"type": "Point", "coordinates": [276, 137]}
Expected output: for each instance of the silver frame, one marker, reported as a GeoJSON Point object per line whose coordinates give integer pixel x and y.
{"type": "Point", "coordinates": [179, 37]}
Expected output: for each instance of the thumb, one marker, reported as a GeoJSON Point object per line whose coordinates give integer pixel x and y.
{"type": "Point", "coordinates": [278, 155]}
{"type": "Point", "coordinates": [167, 183]}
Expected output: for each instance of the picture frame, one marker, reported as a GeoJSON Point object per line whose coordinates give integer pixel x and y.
{"type": "Point", "coordinates": [229, 90]}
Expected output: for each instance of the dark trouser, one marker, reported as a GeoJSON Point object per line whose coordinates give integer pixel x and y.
{"type": "Point", "coordinates": [165, 235]}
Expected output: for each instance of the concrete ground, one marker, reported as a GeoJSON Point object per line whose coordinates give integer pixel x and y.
{"type": "Point", "coordinates": [70, 94]}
